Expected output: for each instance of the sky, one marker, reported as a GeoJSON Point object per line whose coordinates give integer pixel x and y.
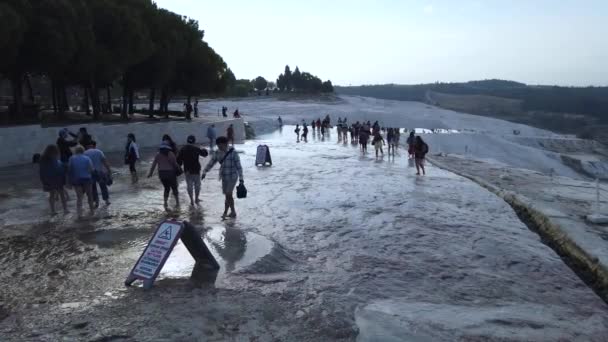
{"type": "Point", "coordinates": [354, 42]}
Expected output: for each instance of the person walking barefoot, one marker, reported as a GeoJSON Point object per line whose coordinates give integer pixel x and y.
{"type": "Point", "coordinates": [102, 174]}
{"type": "Point", "coordinates": [52, 176]}
{"type": "Point", "coordinates": [167, 172]}
{"type": "Point", "coordinates": [188, 157]}
{"type": "Point", "coordinates": [420, 151]}
{"type": "Point", "coordinates": [297, 132]}
{"type": "Point", "coordinates": [80, 173]}
{"type": "Point", "coordinates": [231, 171]}
{"type": "Point", "coordinates": [378, 142]}
{"type": "Point", "coordinates": [132, 156]}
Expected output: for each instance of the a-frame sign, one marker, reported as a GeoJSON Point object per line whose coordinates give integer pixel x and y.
{"type": "Point", "coordinates": [159, 248]}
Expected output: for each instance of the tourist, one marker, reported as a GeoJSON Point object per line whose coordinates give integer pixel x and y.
{"type": "Point", "coordinates": [236, 114]}
{"type": "Point", "coordinates": [378, 142]}
{"type": "Point", "coordinates": [188, 157]}
{"type": "Point", "coordinates": [196, 108]}
{"type": "Point", "coordinates": [84, 138]}
{"type": "Point", "coordinates": [319, 124]}
{"type": "Point", "coordinates": [188, 110]}
{"type": "Point", "coordinates": [167, 140]}
{"type": "Point", "coordinates": [297, 131]}
{"type": "Point", "coordinates": [363, 137]}
{"type": "Point", "coordinates": [102, 174]}
{"type": "Point", "coordinates": [280, 121]}
{"type": "Point", "coordinates": [230, 172]}
{"type": "Point", "coordinates": [224, 111]}
{"type": "Point", "coordinates": [312, 124]}
{"type": "Point", "coordinates": [80, 174]}
{"type": "Point", "coordinates": [411, 140]}
{"type": "Point", "coordinates": [230, 134]}
{"type": "Point", "coordinates": [64, 145]}
{"type": "Point", "coordinates": [420, 151]}
{"type": "Point", "coordinates": [211, 135]}
{"type": "Point", "coordinates": [52, 176]}
{"type": "Point", "coordinates": [168, 170]}
{"type": "Point", "coordinates": [396, 138]}
{"type": "Point", "coordinates": [304, 132]}
{"type": "Point", "coordinates": [390, 139]}
{"type": "Point", "coordinates": [132, 156]}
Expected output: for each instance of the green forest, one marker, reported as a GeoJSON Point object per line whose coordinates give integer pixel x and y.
{"type": "Point", "coordinates": [590, 101]}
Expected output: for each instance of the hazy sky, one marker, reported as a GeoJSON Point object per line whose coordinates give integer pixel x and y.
{"type": "Point", "coordinates": [409, 41]}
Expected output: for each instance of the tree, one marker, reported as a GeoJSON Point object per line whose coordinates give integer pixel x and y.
{"type": "Point", "coordinates": [272, 85]}
{"type": "Point", "coordinates": [96, 44]}
{"type": "Point", "coordinates": [287, 79]}
{"type": "Point", "coordinates": [260, 83]}
{"type": "Point", "coordinates": [281, 83]}
{"type": "Point", "coordinates": [327, 87]}
{"type": "Point", "coordinates": [15, 18]}
{"type": "Point", "coordinates": [296, 80]}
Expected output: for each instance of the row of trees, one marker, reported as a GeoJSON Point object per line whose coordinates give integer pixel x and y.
{"type": "Point", "coordinates": [302, 82]}
{"type": "Point", "coordinates": [98, 44]}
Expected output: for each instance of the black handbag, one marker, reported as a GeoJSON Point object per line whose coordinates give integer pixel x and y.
{"type": "Point", "coordinates": [241, 191]}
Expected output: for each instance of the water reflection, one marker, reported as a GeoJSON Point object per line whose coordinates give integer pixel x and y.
{"type": "Point", "coordinates": [232, 246]}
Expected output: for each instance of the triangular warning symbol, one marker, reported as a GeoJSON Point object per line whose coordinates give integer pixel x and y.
{"type": "Point", "coordinates": [166, 234]}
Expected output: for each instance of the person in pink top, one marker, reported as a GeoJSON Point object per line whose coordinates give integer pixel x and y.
{"type": "Point", "coordinates": [168, 171]}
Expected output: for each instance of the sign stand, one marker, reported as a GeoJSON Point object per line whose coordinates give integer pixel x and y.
{"type": "Point", "coordinates": [159, 248]}
{"type": "Point", "coordinates": [262, 157]}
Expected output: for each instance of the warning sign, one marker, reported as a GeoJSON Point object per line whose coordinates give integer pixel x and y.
{"type": "Point", "coordinates": [157, 251]}
{"type": "Point", "coordinates": [160, 246]}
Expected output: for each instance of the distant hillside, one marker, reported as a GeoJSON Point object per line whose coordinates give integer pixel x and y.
{"type": "Point", "coordinates": [590, 101]}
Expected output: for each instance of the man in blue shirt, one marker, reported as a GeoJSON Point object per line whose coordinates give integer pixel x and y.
{"type": "Point", "coordinates": [211, 135]}
{"type": "Point", "coordinates": [101, 173]}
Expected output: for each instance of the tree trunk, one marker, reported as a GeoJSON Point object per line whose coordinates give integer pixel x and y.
{"type": "Point", "coordinates": [30, 90]}
{"type": "Point", "coordinates": [54, 96]}
{"type": "Point", "coordinates": [164, 98]}
{"type": "Point", "coordinates": [125, 95]}
{"type": "Point", "coordinates": [64, 98]}
{"type": "Point", "coordinates": [94, 91]}
{"type": "Point", "coordinates": [131, 109]}
{"type": "Point", "coordinates": [151, 106]}
{"type": "Point", "coordinates": [17, 82]}
{"type": "Point", "coordinates": [109, 100]}
{"type": "Point", "coordinates": [86, 100]}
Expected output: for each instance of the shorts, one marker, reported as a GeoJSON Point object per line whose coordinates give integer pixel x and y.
{"type": "Point", "coordinates": [82, 181]}
{"type": "Point", "coordinates": [228, 186]}
{"type": "Point", "coordinates": [132, 166]}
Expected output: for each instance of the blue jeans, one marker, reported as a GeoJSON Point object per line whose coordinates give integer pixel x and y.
{"type": "Point", "coordinates": [101, 179]}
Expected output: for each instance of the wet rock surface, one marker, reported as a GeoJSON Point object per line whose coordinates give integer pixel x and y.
{"type": "Point", "coordinates": [329, 245]}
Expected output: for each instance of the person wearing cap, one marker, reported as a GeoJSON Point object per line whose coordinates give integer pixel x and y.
{"type": "Point", "coordinates": [167, 171]}
{"type": "Point", "coordinates": [64, 145]}
{"type": "Point", "coordinates": [231, 171]}
{"type": "Point", "coordinates": [101, 173]}
{"type": "Point", "coordinates": [188, 156]}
